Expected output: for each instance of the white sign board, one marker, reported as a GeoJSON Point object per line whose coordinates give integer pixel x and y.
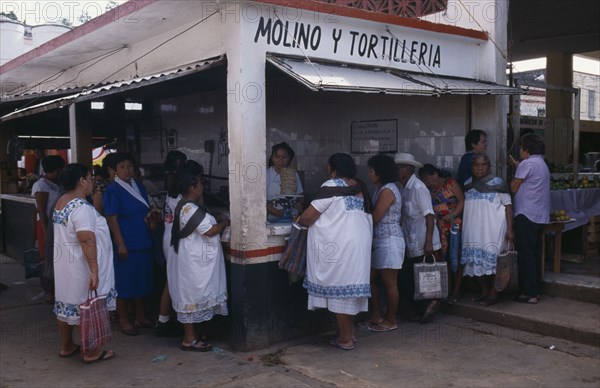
{"type": "Point", "coordinates": [342, 39]}
{"type": "Point", "coordinates": [369, 137]}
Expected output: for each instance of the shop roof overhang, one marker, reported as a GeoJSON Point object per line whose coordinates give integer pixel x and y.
{"type": "Point", "coordinates": [336, 76]}
{"type": "Point", "coordinates": [99, 92]}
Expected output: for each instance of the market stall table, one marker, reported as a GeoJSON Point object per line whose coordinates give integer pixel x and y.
{"type": "Point", "coordinates": [581, 204]}
{"type": "Point", "coordinates": [556, 227]}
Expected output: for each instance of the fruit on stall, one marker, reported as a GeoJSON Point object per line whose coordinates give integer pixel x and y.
{"type": "Point", "coordinates": [559, 215]}
{"type": "Point", "coordinates": [584, 183]}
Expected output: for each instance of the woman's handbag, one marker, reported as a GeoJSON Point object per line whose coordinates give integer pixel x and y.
{"type": "Point", "coordinates": [294, 256]}
{"type": "Point", "coordinates": [431, 280]}
{"type": "Point", "coordinates": [95, 322]}
{"type": "Point", "coordinates": [454, 246]}
{"type": "Point", "coordinates": [32, 261]}
{"type": "Point", "coordinates": [507, 271]}
{"type": "Point", "coordinates": [47, 276]}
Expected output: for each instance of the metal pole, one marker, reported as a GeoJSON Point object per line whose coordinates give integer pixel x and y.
{"type": "Point", "coordinates": [73, 133]}
{"type": "Point", "coordinates": [576, 114]}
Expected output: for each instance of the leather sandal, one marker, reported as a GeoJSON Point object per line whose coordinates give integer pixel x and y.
{"type": "Point", "coordinates": [131, 332]}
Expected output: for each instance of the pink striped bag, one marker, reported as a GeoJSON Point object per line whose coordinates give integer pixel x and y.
{"type": "Point", "coordinates": [95, 322]}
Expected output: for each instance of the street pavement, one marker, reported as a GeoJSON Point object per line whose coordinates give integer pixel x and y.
{"type": "Point", "coordinates": [451, 351]}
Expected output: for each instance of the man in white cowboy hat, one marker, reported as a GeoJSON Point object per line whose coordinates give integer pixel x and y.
{"type": "Point", "coordinates": [418, 222]}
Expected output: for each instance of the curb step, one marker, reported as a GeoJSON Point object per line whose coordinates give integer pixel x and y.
{"type": "Point", "coordinates": [575, 287]}
{"type": "Point", "coordinates": [568, 319]}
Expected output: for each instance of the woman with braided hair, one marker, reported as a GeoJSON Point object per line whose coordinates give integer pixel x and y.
{"type": "Point", "coordinates": [196, 279]}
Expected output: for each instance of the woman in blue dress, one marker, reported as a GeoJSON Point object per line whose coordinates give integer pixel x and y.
{"type": "Point", "coordinates": [126, 207]}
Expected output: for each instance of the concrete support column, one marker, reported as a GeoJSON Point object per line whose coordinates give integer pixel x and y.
{"type": "Point", "coordinates": [559, 71]}
{"type": "Point", "coordinates": [246, 115]}
{"type": "Point", "coordinates": [559, 107]}
{"type": "Point", "coordinates": [80, 132]}
{"type": "Point", "coordinates": [6, 132]}
{"type": "Point", "coordinates": [489, 112]}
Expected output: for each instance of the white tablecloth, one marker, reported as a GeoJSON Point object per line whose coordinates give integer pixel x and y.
{"type": "Point", "coordinates": [580, 204]}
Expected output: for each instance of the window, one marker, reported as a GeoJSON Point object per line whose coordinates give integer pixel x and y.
{"type": "Point", "coordinates": [133, 106]}
{"type": "Point", "coordinates": [97, 105]}
{"type": "Point", "coordinates": [591, 104]}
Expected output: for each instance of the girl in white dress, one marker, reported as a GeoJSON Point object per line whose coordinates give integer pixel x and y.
{"type": "Point", "coordinates": [197, 279]}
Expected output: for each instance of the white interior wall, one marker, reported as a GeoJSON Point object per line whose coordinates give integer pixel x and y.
{"type": "Point", "coordinates": [196, 118]}
{"type": "Point", "coordinates": [317, 125]}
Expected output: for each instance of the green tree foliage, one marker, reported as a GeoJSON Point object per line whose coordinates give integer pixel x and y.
{"type": "Point", "coordinates": [11, 15]}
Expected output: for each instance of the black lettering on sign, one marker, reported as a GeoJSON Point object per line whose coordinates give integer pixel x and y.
{"type": "Point", "coordinates": [280, 34]}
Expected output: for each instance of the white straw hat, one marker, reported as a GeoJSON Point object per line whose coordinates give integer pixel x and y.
{"type": "Point", "coordinates": [405, 158]}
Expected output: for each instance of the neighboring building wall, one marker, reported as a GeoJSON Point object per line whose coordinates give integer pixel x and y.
{"type": "Point", "coordinates": [534, 103]}
{"type": "Point", "coordinates": [590, 99]}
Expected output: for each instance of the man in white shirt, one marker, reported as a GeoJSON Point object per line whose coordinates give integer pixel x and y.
{"type": "Point", "coordinates": [421, 236]}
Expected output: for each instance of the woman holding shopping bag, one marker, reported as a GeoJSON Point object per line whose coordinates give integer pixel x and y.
{"type": "Point", "coordinates": [83, 259]}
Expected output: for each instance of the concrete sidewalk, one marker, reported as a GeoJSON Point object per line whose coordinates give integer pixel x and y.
{"type": "Point", "coordinates": [452, 351]}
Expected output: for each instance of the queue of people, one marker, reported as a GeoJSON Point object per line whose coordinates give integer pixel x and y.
{"type": "Point", "coordinates": [421, 211]}
{"type": "Point", "coordinates": [102, 243]}
{"type": "Point", "coordinates": [361, 248]}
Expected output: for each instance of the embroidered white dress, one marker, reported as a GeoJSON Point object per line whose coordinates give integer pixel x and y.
{"type": "Point", "coordinates": [484, 230]}
{"type": "Point", "coordinates": [197, 282]}
{"type": "Point", "coordinates": [339, 254]}
{"type": "Point", "coordinates": [71, 271]}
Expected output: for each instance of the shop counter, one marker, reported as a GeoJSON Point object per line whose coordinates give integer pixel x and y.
{"type": "Point", "coordinates": [18, 224]}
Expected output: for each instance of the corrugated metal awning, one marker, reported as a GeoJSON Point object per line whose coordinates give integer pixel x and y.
{"type": "Point", "coordinates": [461, 86]}
{"type": "Point", "coordinates": [115, 87]}
{"type": "Point", "coordinates": [340, 77]}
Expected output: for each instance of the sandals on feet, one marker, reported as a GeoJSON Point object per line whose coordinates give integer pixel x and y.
{"type": "Point", "coordinates": [488, 301]}
{"type": "Point", "coordinates": [197, 346]}
{"type": "Point", "coordinates": [144, 325]}
{"type": "Point", "coordinates": [380, 328]}
{"type": "Point", "coordinates": [334, 342]}
{"type": "Point", "coordinates": [131, 331]}
{"type": "Point", "coordinates": [527, 299]}
{"type": "Point", "coordinates": [479, 298]}
{"type": "Point", "coordinates": [72, 353]}
{"type": "Point", "coordinates": [453, 299]}
{"type": "Point", "coordinates": [104, 356]}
